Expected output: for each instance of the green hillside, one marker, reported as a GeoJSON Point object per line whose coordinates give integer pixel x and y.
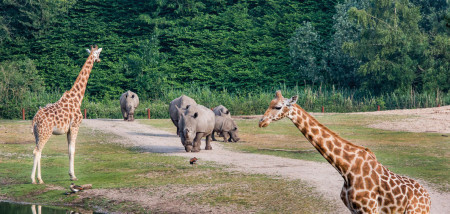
{"type": "Point", "coordinates": [372, 48]}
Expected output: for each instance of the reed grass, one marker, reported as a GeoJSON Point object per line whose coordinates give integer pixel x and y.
{"type": "Point", "coordinates": [240, 103]}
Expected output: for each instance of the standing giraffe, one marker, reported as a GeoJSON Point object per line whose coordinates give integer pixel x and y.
{"type": "Point", "coordinates": [62, 117]}
{"type": "Point", "coordinates": [369, 187]}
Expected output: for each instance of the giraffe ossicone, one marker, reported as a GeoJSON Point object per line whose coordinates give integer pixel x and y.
{"type": "Point", "coordinates": [369, 187]}
{"type": "Point", "coordinates": [62, 117]}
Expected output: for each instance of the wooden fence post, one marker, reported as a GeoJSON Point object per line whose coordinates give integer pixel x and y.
{"type": "Point", "coordinates": [323, 109]}
{"type": "Point", "coordinates": [148, 113]}
{"type": "Point", "coordinates": [378, 107]}
{"type": "Point", "coordinates": [23, 114]}
{"type": "Point", "coordinates": [85, 114]}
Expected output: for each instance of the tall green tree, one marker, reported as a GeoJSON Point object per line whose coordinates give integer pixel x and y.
{"type": "Point", "coordinates": [343, 68]}
{"type": "Point", "coordinates": [18, 80]}
{"type": "Point", "coordinates": [144, 71]}
{"type": "Point", "coordinates": [391, 45]}
{"type": "Point", "coordinates": [306, 48]}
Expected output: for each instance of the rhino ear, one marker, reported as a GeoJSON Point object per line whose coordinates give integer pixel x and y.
{"type": "Point", "coordinates": [195, 115]}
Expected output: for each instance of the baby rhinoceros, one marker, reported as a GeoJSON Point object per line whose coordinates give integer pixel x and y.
{"type": "Point", "coordinates": [196, 122]}
{"type": "Point", "coordinates": [129, 101]}
{"type": "Point", "coordinates": [227, 128]}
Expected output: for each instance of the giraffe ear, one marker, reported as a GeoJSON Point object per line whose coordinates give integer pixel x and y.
{"type": "Point", "coordinates": [89, 51]}
{"type": "Point", "coordinates": [292, 100]}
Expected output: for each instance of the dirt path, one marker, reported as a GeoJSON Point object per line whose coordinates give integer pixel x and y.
{"type": "Point", "coordinates": [322, 176]}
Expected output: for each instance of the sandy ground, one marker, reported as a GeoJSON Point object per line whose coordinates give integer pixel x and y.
{"type": "Point", "coordinates": [322, 176]}
{"type": "Point", "coordinates": [425, 120]}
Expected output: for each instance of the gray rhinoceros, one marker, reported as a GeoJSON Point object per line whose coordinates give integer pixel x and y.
{"type": "Point", "coordinates": [129, 101]}
{"type": "Point", "coordinates": [177, 107]}
{"type": "Point", "coordinates": [196, 122]}
{"type": "Point", "coordinates": [222, 111]}
{"type": "Point", "coordinates": [227, 127]}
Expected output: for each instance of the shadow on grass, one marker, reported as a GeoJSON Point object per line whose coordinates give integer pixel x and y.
{"type": "Point", "coordinates": [152, 134]}
{"type": "Point", "coordinates": [158, 149]}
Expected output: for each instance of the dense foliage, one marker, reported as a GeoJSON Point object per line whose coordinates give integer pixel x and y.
{"type": "Point", "coordinates": [370, 47]}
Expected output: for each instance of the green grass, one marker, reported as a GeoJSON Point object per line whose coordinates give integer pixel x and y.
{"type": "Point", "coordinates": [420, 155]}
{"type": "Point", "coordinates": [102, 162]}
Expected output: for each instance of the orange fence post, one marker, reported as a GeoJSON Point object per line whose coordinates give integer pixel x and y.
{"type": "Point", "coordinates": [439, 105]}
{"type": "Point", "coordinates": [148, 113]}
{"type": "Point", "coordinates": [323, 109]}
{"type": "Point", "coordinates": [84, 113]}
{"type": "Point", "coordinates": [23, 114]}
{"type": "Point", "coordinates": [378, 107]}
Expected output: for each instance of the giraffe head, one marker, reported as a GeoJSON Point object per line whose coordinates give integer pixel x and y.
{"type": "Point", "coordinates": [278, 109]}
{"type": "Point", "coordinates": [95, 51]}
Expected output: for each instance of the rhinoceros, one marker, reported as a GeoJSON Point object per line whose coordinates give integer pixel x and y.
{"type": "Point", "coordinates": [177, 107]}
{"type": "Point", "coordinates": [222, 111]}
{"type": "Point", "coordinates": [227, 127]}
{"type": "Point", "coordinates": [129, 101]}
{"type": "Point", "coordinates": [196, 122]}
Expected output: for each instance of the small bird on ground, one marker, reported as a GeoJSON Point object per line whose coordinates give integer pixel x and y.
{"type": "Point", "coordinates": [75, 188]}
{"type": "Point", "coordinates": [193, 160]}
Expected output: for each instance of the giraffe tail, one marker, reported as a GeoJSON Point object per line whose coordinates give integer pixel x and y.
{"type": "Point", "coordinates": [33, 126]}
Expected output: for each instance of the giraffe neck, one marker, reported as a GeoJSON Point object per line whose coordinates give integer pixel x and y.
{"type": "Point", "coordinates": [79, 87]}
{"type": "Point", "coordinates": [337, 151]}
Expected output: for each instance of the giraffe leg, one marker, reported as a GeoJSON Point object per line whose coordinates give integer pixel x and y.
{"type": "Point", "coordinates": [39, 168]}
{"type": "Point", "coordinates": [71, 140]}
{"type": "Point", "coordinates": [35, 163]}
{"type": "Point", "coordinates": [41, 140]}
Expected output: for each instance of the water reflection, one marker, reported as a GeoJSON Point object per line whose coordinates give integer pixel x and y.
{"type": "Point", "coordinates": [15, 208]}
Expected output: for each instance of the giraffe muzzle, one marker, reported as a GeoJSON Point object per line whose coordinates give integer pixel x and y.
{"type": "Point", "coordinates": [263, 123]}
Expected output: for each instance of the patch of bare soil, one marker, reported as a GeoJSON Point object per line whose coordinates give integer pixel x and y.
{"type": "Point", "coordinates": [425, 120]}
{"type": "Point", "coordinates": [323, 177]}
{"type": "Point", "coordinates": [166, 199]}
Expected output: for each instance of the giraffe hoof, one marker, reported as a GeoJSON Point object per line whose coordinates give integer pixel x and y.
{"type": "Point", "coordinates": [74, 179]}
{"type": "Point", "coordinates": [34, 182]}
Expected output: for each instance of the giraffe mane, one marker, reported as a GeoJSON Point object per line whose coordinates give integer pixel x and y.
{"type": "Point", "coordinates": [336, 135]}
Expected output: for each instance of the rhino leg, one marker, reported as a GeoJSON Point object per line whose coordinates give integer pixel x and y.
{"type": "Point", "coordinates": [208, 142]}
{"type": "Point", "coordinates": [212, 135]}
{"type": "Point", "coordinates": [125, 115]}
{"type": "Point", "coordinates": [197, 142]}
{"type": "Point", "coordinates": [225, 136]}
